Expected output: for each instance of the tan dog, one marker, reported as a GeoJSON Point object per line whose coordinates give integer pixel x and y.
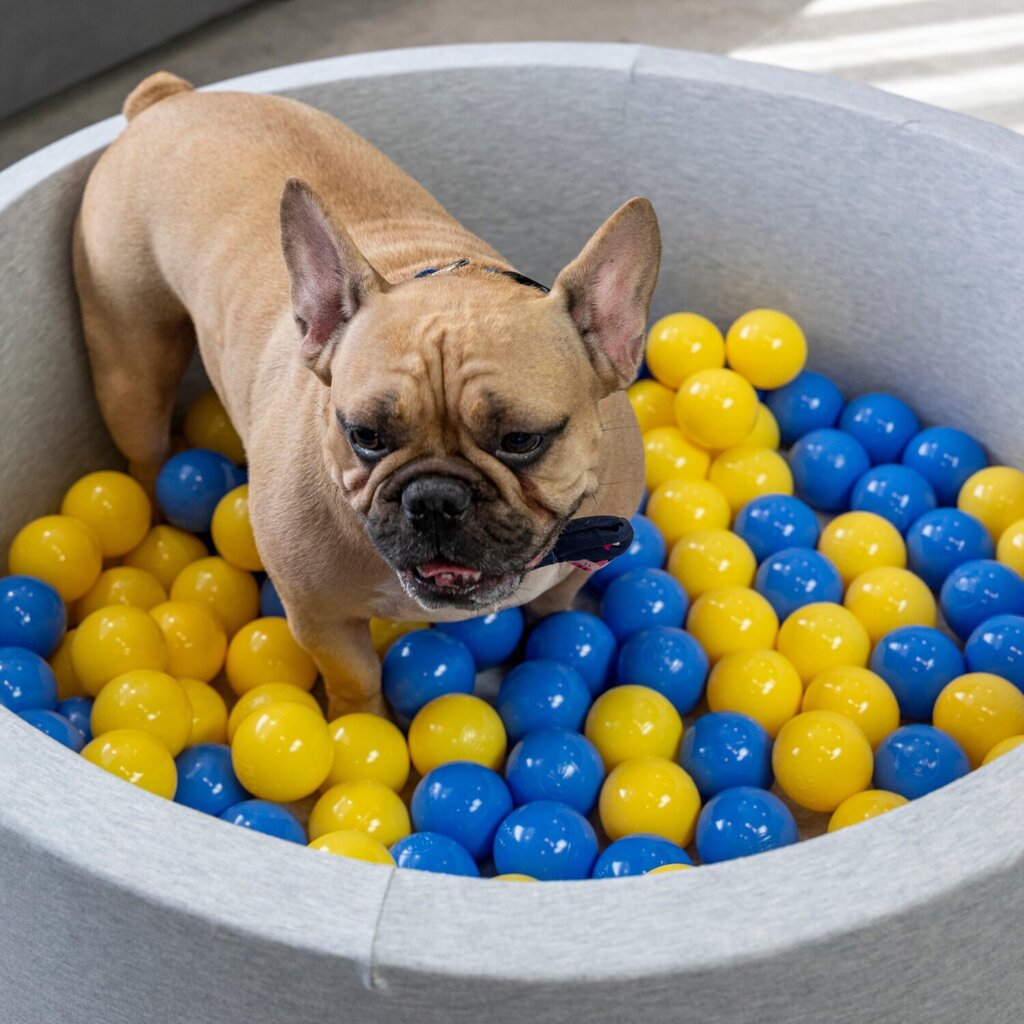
{"type": "Point", "coordinates": [415, 445]}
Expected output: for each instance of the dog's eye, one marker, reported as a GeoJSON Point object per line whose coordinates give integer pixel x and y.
{"type": "Point", "coordinates": [367, 443]}
{"type": "Point", "coordinates": [520, 444]}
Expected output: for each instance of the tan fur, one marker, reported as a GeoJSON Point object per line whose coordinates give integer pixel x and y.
{"type": "Point", "coordinates": [179, 240]}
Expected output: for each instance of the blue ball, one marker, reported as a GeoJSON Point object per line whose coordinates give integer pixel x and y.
{"type": "Point", "coordinates": [882, 423]}
{"type": "Point", "coordinates": [270, 602]}
{"type": "Point", "coordinates": [546, 840]}
{"type": "Point", "coordinates": [191, 484]}
{"type": "Point", "coordinates": [463, 801]}
{"type": "Point", "coordinates": [636, 855]}
{"type": "Point", "coordinates": [997, 646]}
{"type": "Point", "coordinates": [270, 819]}
{"type": "Point", "coordinates": [491, 639]}
{"type": "Point", "coordinates": [647, 551]}
{"type": "Point", "coordinates": [775, 522]}
{"type": "Point", "coordinates": [542, 695]}
{"type": "Point", "coordinates": [743, 821]}
{"type": "Point", "coordinates": [975, 591]}
{"type": "Point", "coordinates": [423, 665]}
{"type": "Point", "coordinates": [78, 711]}
{"type": "Point", "coordinates": [643, 599]}
{"type": "Point", "coordinates": [945, 458]}
{"type": "Point", "coordinates": [942, 540]}
{"type": "Point", "coordinates": [579, 640]}
{"type": "Point", "coordinates": [668, 660]}
{"type": "Point", "coordinates": [918, 759]}
{"type": "Point", "coordinates": [32, 615]}
{"type": "Point", "coordinates": [894, 492]}
{"type": "Point", "coordinates": [26, 681]}
{"type": "Point", "coordinates": [808, 402]}
{"type": "Point", "coordinates": [555, 764]}
{"type": "Point", "coordinates": [796, 577]}
{"type": "Point", "coordinates": [431, 851]}
{"type": "Point", "coordinates": [725, 749]}
{"type": "Point", "coordinates": [826, 464]}
{"type": "Point", "coordinates": [207, 780]}
{"type": "Point", "coordinates": [917, 662]}
{"type": "Point", "coordinates": [56, 726]}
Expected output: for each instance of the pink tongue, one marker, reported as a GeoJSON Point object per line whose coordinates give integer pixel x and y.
{"type": "Point", "coordinates": [445, 574]}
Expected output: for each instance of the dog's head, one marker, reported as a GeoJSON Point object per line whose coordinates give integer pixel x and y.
{"type": "Point", "coordinates": [466, 406]}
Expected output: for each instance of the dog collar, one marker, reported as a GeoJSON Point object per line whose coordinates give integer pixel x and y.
{"type": "Point", "coordinates": [515, 275]}
{"type": "Point", "coordinates": [591, 542]}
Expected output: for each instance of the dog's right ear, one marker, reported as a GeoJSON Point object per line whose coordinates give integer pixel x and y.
{"type": "Point", "coordinates": [330, 277]}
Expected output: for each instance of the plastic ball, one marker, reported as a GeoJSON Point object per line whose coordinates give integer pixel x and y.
{"type": "Point", "coordinates": [124, 584]}
{"type": "Point", "coordinates": [863, 806]}
{"type": "Point", "coordinates": [765, 431]}
{"type": "Point", "coordinates": [26, 681]}
{"type": "Point", "coordinates": [1010, 549]}
{"type": "Point", "coordinates": [230, 593]}
{"type": "Point", "coordinates": [979, 710]}
{"type": "Point", "coordinates": [78, 711]}
{"type": "Point", "coordinates": [268, 818]}
{"type": "Point", "coordinates": [190, 485]}
{"type": "Point", "coordinates": [269, 693]}
{"type": "Point", "coordinates": [431, 851]}
{"type": "Point", "coordinates": [68, 683]}
{"type": "Point", "coordinates": [554, 764]}
{"type": "Point", "coordinates": [232, 530]}
{"type": "Point", "coordinates": [513, 877]}
{"type": "Point", "coordinates": [796, 577]}
{"type": "Point", "coordinates": [858, 541]}
{"type": "Point", "coordinates": [744, 473]}
{"type": "Point", "coordinates": [710, 559]}
{"type": "Point", "coordinates": [638, 855]}
{"type": "Point", "coordinates": [464, 801]}
{"type": "Point", "coordinates": [1003, 747]}
{"type": "Point", "coordinates": [542, 694]}
{"type": "Point", "coordinates": [113, 641]}
{"type": "Point", "coordinates": [207, 425]}
{"type": "Point", "coordinates": [741, 822]}
{"type": "Point", "coordinates": [547, 841]}
{"type": "Point", "coordinates": [858, 694]}
{"type": "Point", "coordinates": [946, 458]}
{"type": "Point", "coordinates": [975, 591]}
{"type": "Point", "coordinates": [883, 599]}
{"type": "Point", "coordinates": [56, 726]}
{"type": "Point", "coordinates": [270, 600]}
{"type": "Point", "coordinates": [456, 727]}
{"type": "Point", "coordinates": [724, 749]}
{"type": "Point", "coordinates": [643, 599]}
{"type": "Point", "coordinates": [633, 721]}
{"type": "Point", "coordinates": [368, 748]}
{"type": "Point", "coordinates": [384, 632]}
{"type": "Point", "coordinates": [669, 869]}
{"type": "Point", "coordinates": [579, 640]}
{"type": "Point", "coordinates": [32, 615]}
{"type": "Point", "coordinates": [647, 551]}
{"type": "Point", "coordinates": [767, 347]}
{"type": "Point", "coordinates": [811, 401]}
{"type": "Point", "coordinates": [826, 464]}
{"type": "Point", "coordinates": [58, 550]}
{"type": "Point", "coordinates": [681, 506]}
{"type": "Point", "coordinates": [918, 759]}
{"type": "Point", "coordinates": [994, 495]}
{"type": "Point", "coordinates": [681, 344]}
{"type": "Point", "coordinates": [282, 752]}
{"type": "Point", "coordinates": [823, 636]}
{"type": "Point", "coordinates": [732, 619]}
{"type": "Point", "coordinates": [997, 646]}
{"type": "Point", "coordinates": [114, 505]}
{"type": "Point", "coordinates": [649, 795]}
{"type": "Point", "coordinates": [364, 806]}
{"type": "Point", "coordinates": [164, 552]}
{"type": "Point", "coordinates": [135, 757]}
{"type": "Point", "coordinates": [774, 522]}
{"type": "Point", "coordinates": [668, 455]}
{"type": "Point", "coordinates": [716, 408]}
{"type": "Point", "coordinates": [491, 639]}
{"type": "Point", "coordinates": [196, 641]}
{"type": "Point", "coordinates": [917, 662]}
{"type": "Point", "coordinates": [894, 492]}
{"type": "Point", "coordinates": [424, 665]}
{"type": "Point", "coordinates": [652, 404]}
{"type": "Point", "coordinates": [146, 701]}
{"type": "Point", "coordinates": [883, 423]}
{"type": "Point", "coordinates": [666, 660]}
{"type": "Point", "coordinates": [209, 712]}
{"type": "Point", "coordinates": [264, 651]}
{"type": "Point", "coordinates": [942, 540]}
{"type": "Point", "coordinates": [206, 779]}
{"type": "Point", "coordinates": [762, 685]}
{"type": "Point", "coordinates": [354, 845]}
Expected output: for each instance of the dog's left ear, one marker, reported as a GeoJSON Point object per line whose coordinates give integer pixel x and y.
{"type": "Point", "coordinates": [607, 290]}
{"type": "Point", "coordinates": [330, 277]}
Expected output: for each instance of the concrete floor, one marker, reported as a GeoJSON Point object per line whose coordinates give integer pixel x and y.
{"type": "Point", "coordinates": [964, 54]}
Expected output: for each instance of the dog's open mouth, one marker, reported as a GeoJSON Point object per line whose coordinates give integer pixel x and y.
{"type": "Point", "coordinates": [439, 584]}
{"type": "Point", "coordinates": [446, 576]}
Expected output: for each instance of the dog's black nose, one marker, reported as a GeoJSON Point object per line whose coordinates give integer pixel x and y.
{"type": "Point", "coordinates": [434, 502]}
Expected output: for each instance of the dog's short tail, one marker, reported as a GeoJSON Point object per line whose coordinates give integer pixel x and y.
{"type": "Point", "coordinates": [153, 89]}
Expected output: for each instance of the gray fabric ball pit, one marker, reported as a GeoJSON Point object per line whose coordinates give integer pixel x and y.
{"type": "Point", "coordinates": [894, 233]}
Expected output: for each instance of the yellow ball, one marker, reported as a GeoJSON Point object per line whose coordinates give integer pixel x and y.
{"type": "Point", "coordinates": [709, 559]}
{"type": "Point", "coordinates": [668, 869]}
{"type": "Point", "coordinates": [456, 727]}
{"type": "Point", "coordinates": [995, 496]}
{"type": "Point", "coordinates": [765, 432]}
{"type": "Point", "coordinates": [282, 752]}
{"type": "Point", "coordinates": [767, 347]}
{"type": "Point", "coordinates": [856, 542]}
{"type": "Point", "coordinates": [113, 641]}
{"type": "Point", "coordinates": [68, 683]}
{"type": "Point", "coordinates": [649, 795]}
{"type": "Point", "coordinates": [209, 713]}
{"type": "Point", "coordinates": [633, 721]}
{"type": "Point", "coordinates": [668, 456]}
{"type": "Point", "coordinates": [1010, 549]}
{"type": "Point", "coordinates": [820, 759]}
{"type": "Point", "coordinates": [859, 695]}
{"type": "Point", "coordinates": [368, 747]}
{"type": "Point", "coordinates": [123, 584]}
{"type": "Point", "coordinates": [207, 425]}
{"type": "Point", "coordinates": [652, 403]}
{"type": "Point", "coordinates": [137, 758]}
{"type": "Point", "coordinates": [115, 506]}
{"type": "Point", "coordinates": [885, 599]}
{"type": "Point", "coordinates": [232, 531]}
{"type": "Point", "coordinates": [760, 684]}
{"type": "Point", "coordinates": [230, 593]}
{"type": "Point", "coordinates": [269, 693]}
{"type": "Point", "coordinates": [716, 408]}
{"type": "Point", "coordinates": [265, 651]}
{"type": "Point", "coordinates": [151, 702]}
{"type": "Point", "coordinates": [59, 550]}
{"type": "Point", "coordinates": [732, 619]}
{"type": "Point", "coordinates": [979, 710]}
{"type": "Point", "coordinates": [680, 344]}
{"type": "Point", "coordinates": [364, 806]}
{"type": "Point", "coordinates": [196, 642]}
{"type": "Point", "coordinates": [745, 473]}
{"type": "Point", "coordinates": [863, 807]}
{"type": "Point", "coordinates": [513, 877]}
{"type": "Point", "coordinates": [682, 506]}
{"type": "Point", "coordinates": [1003, 747]}
{"type": "Point", "coordinates": [355, 845]}
{"type": "Point", "coordinates": [164, 552]}
{"type": "Point", "coordinates": [384, 632]}
{"type": "Point", "coordinates": [821, 636]}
